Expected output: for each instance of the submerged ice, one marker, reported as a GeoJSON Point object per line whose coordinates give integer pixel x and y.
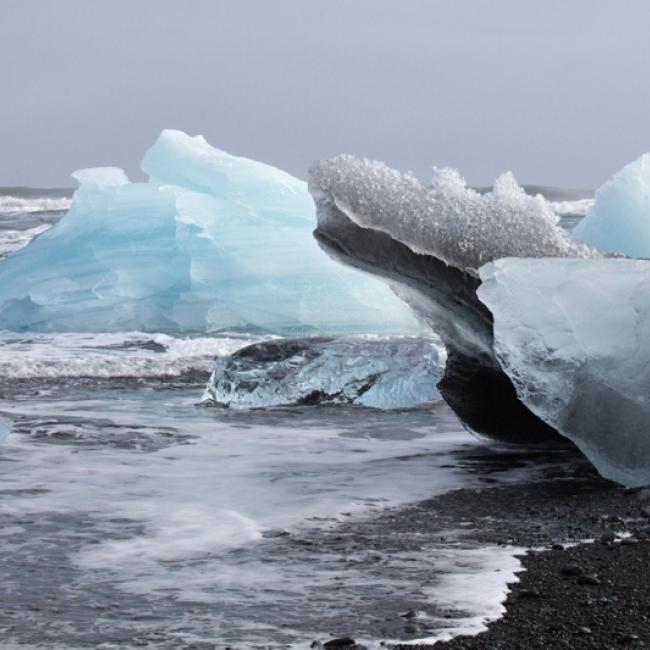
{"type": "Point", "coordinates": [370, 371]}
{"type": "Point", "coordinates": [211, 242]}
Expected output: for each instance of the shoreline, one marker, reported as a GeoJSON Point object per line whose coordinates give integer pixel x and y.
{"type": "Point", "coordinates": [570, 593]}
{"type": "Point", "coordinates": [586, 596]}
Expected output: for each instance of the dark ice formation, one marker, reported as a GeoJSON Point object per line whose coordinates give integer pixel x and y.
{"type": "Point", "coordinates": [441, 292]}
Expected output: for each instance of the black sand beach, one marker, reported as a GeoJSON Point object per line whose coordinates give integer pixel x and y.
{"type": "Point", "coordinates": [571, 593]}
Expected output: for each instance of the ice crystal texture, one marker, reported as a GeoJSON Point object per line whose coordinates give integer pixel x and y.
{"type": "Point", "coordinates": [374, 372]}
{"type": "Point", "coordinates": [443, 217]}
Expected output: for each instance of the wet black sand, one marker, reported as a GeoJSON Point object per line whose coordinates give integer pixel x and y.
{"type": "Point", "coordinates": [590, 596]}
{"type": "Point", "coordinates": [585, 596]}
{"type": "Point", "coordinates": [571, 594]}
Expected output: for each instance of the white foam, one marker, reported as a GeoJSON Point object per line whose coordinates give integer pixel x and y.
{"type": "Point", "coordinates": [471, 583]}
{"type": "Point", "coordinates": [579, 207]}
{"type": "Point", "coordinates": [223, 489]}
{"type": "Point", "coordinates": [13, 240]}
{"type": "Point", "coordinates": [110, 355]}
{"type": "Point", "coordinates": [474, 580]}
{"type": "Point", "coordinates": [14, 204]}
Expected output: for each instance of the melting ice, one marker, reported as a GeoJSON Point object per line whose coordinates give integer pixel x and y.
{"type": "Point", "coordinates": [569, 333]}
{"type": "Point", "coordinates": [619, 220]}
{"type": "Point", "coordinates": [573, 336]}
{"type": "Point", "coordinates": [383, 373]}
{"type": "Point", "coordinates": [211, 242]}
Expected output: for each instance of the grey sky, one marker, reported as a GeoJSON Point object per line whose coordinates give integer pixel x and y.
{"type": "Point", "coordinates": [556, 91]}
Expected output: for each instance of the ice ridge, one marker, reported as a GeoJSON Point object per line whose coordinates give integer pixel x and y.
{"type": "Point", "coordinates": [443, 217]}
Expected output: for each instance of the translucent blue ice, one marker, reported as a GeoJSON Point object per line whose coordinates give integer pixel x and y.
{"type": "Point", "coordinates": [574, 337]}
{"type": "Point", "coordinates": [211, 242]}
{"type": "Point", "coordinates": [619, 221]}
{"type": "Point", "coordinates": [379, 372]}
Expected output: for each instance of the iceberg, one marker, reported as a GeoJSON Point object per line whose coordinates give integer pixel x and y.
{"type": "Point", "coordinates": [428, 240]}
{"type": "Point", "coordinates": [619, 219]}
{"type": "Point", "coordinates": [546, 332]}
{"type": "Point", "coordinates": [211, 242]}
{"type": "Point", "coordinates": [377, 372]}
{"type": "Point", "coordinates": [574, 337]}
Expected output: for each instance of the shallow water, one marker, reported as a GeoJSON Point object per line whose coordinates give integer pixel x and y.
{"type": "Point", "coordinates": [133, 516]}
{"type": "Point", "coordinates": [138, 507]}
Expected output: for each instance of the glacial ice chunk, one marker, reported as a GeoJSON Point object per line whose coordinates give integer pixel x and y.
{"type": "Point", "coordinates": [574, 337]}
{"type": "Point", "coordinates": [443, 217]}
{"type": "Point", "coordinates": [428, 239]}
{"type": "Point", "coordinates": [211, 242]}
{"type": "Point", "coordinates": [619, 220]}
{"type": "Point", "coordinates": [384, 373]}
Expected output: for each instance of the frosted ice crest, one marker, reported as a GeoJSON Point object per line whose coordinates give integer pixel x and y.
{"type": "Point", "coordinates": [574, 337]}
{"type": "Point", "coordinates": [370, 371]}
{"type": "Point", "coordinates": [444, 218]}
{"type": "Point", "coordinates": [211, 242]}
{"type": "Point", "coordinates": [619, 220]}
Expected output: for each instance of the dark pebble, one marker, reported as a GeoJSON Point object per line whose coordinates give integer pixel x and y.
{"type": "Point", "coordinates": [343, 642]}
{"type": "Point", "coordinates": [571, 570]}
{"type": "Point", "coordinates": [608, 537]}
{"type": "Point", "coordinates": [274, 533]}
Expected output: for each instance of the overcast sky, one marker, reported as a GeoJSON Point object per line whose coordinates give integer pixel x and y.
{"type": "Point", "coordinates": [556, 91]}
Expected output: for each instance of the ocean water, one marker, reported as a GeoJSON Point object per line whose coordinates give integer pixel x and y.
{"type": "Point", "coordinates": [133, 516]}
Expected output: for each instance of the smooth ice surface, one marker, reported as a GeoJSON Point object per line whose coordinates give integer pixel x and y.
{"type": "Point", "coordinates": [374, 372]}
{"type": "Point", "coordinates": [443, 217]}
{"type": "Point", "coordinates": [574, 337]}
{"type": "Point", "coordinates": [212, 242]}
{"type": "Point", "coordinates": [619, 221]}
